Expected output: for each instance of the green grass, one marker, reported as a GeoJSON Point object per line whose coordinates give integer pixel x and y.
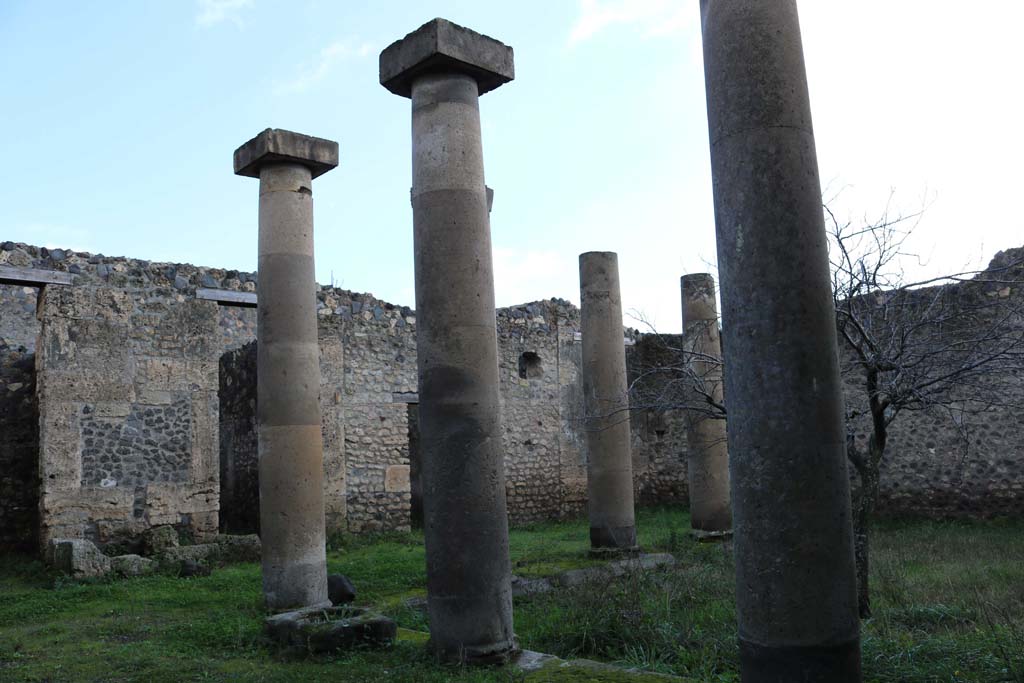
{"type": "Point", "coordinates": [949, 606]}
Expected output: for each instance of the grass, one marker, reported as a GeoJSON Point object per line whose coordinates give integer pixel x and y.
{"type": "Point", "coordinates": [949, 606]}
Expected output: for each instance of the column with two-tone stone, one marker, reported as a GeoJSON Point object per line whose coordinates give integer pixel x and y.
{"type": "Point", "coordinates": [796, 592]}
{"type": "Point", "coordinates": [707, 462]}
{"type": "Point", "coordinates": [606, 405]}
{"type": "Point", "coordinates": [288, 366]}
{"type": "Point", "coordinates": [444, 69]}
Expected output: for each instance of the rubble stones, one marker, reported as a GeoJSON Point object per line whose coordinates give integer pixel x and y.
{"type": "Point", "coordinates": [77, 557]}
{"type": "Point", "coordinates": [132, 565]}
{"type": "Point", "coordinates": [320, 629]}
{"type": "Point", "coordinates": [340, 590]}
{"type": "Point", "coordinates": [225, 548]}
{"type": "Point", "coordinates": [159, 539]}
{"type": "Point", "coordinates": [190, 568]}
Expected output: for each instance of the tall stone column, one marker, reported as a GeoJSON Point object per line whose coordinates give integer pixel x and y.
{"type": "Point", "coordinates": [796, 586]}
{"type": "Point", "coordinates": [606, 404]}
{"type": "Point", "coordinates": [708, 458]}
{"type": "Point", "coordinates": [444, 68]}
{"type": "Point", "coordinates": [288, 366]}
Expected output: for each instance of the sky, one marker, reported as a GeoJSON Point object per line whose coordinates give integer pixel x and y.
{"type": "Point", "coordinates": [120, 121]}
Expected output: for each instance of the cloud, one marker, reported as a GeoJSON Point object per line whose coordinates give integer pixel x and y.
{"type": "Point", "coordinates": [651, 17]}
{"type": "Point", "coordinates": [213, 12]}
{"type": "Point", "coordinates": [315, 71]}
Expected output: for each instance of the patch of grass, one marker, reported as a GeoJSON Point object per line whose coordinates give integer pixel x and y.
{"type": "Point", "coordinates": [948, 602]}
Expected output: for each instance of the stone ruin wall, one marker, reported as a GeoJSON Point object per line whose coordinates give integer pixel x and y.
{"type": "Point", "coordinates": [929, 469]}
{"type": "Point", "coordinates": [368, 394]}
{"type": "Point", "coordinates": [130, 359]}
{"type": "Point", "coordinates": [125, 364]}
{"type": "Point", "coordinates": [658, 431]}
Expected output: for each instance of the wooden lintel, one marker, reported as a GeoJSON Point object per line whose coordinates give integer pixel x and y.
{"type": "Point", "coordinates": [33, 277]}
{"type": "Point", "coordinates": [405, 397]}
{"type": "Point", "coordinates": [227, 297]}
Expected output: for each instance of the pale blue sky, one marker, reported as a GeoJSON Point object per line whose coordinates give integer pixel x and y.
{"type": "Point", "coordinates": [121, 118]}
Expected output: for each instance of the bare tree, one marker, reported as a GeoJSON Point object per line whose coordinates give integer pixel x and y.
{"type": "Point", "coordinates": [950, 344]}
{"type": "Point", "coordinates": [670, 374]}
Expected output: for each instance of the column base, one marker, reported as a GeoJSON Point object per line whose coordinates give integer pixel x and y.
{"type": "Point", "coordinates": [807, 664]}
{"type": "Point", "coordinates": [702, 536]}
{"type": "Point", "coordinates": [495, 654]}
{"type": "Point", "coordinates": [623, 537]}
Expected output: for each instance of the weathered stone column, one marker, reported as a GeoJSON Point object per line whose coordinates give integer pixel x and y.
{"type": "Point", "coordinates": [707, 463]}
{"type": "Point", "coordinates": [796, 587]}
{"type": "Point", "coordinates": [606, 404]}
{"type": "Point", "coordinates": [288, 366]}
{"type": "Point", "coordinates": [444, 68]}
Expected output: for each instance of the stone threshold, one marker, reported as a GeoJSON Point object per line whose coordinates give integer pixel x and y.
{"type": "Point", "coordinates": [574, 577]}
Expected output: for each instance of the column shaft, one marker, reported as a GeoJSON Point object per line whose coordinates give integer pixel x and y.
{"type": "Point", "coordinates": [288, 378]}
{"type": "Point", "coordinates": [796, 586]}
{"type": "Point", "coordinates": [606, 404]}
{"type": "Point", "coordinates": [708, 457]}
{"type": "Point", "coordinates": [465, 517]}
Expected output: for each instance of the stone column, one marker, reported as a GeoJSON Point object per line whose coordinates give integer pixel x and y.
{"type": "Point", "coordinates": [796, 586]}
{"type": "Point", "coordinates": [444, 68]}
{"type": "Point", "coordinates": [288, 366]}
{"type": "Point", "coordinates": [707, 463]}
{"type": "Point", "coordinates": [606, 404]}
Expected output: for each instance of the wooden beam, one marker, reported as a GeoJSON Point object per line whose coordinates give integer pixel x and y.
{"type": "Point", "coordinates": [33, 277]}
{"type": "Point", "coordinates": [227, 297]}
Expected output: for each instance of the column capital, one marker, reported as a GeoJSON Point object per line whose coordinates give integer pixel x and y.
{"type": "Point", "coordinates": [283, 146]}
{"type": "Point", "coordinates": [440, 45]}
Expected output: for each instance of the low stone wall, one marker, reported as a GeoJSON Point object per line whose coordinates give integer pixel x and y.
{"type": "Point", "coordinates": [19, 449]}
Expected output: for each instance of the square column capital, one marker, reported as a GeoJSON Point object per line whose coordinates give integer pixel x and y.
{"type": "Point", "coordinates": [283, 146]}
{"type": "Point", "coordinates": [440, 45]}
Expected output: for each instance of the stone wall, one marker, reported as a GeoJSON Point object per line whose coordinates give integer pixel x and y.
{"type": "Point", "coordinates": [657, 426]}
{"type": "Point", "coordinates": [938, 462]}
{"type": "Point", "coordinates": [130, 367]}
{"type": "Point", "coordinates": [367, 356]}
{"type": "Point", "coordinates": [368, 393]}
{"type": "Point", "coordinates": [127, 387]}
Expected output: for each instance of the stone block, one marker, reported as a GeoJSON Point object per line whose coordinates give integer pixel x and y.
{"type": "Point", "coordinates": [159, 538]}
{"type": "Point", "coordinates": [241, 548]}
{"type": "Point", "coordinates": [200, 552]}
{"type": "Point", "coordinates": [440, 45]}
{"type": "Point", "coordinates": [283, 146]}
{"type": "Point", "coordinates": [132, 565]}
{"type": "Point", "coordinates": [321, 629]}
{"type": "Point", "coordinates": [396, 479]}
{"type": "Point", "coordinates": [77, 557]}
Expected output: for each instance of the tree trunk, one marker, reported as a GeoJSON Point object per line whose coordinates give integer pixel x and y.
{"type": "Point", "coordinates": [863, 510]}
